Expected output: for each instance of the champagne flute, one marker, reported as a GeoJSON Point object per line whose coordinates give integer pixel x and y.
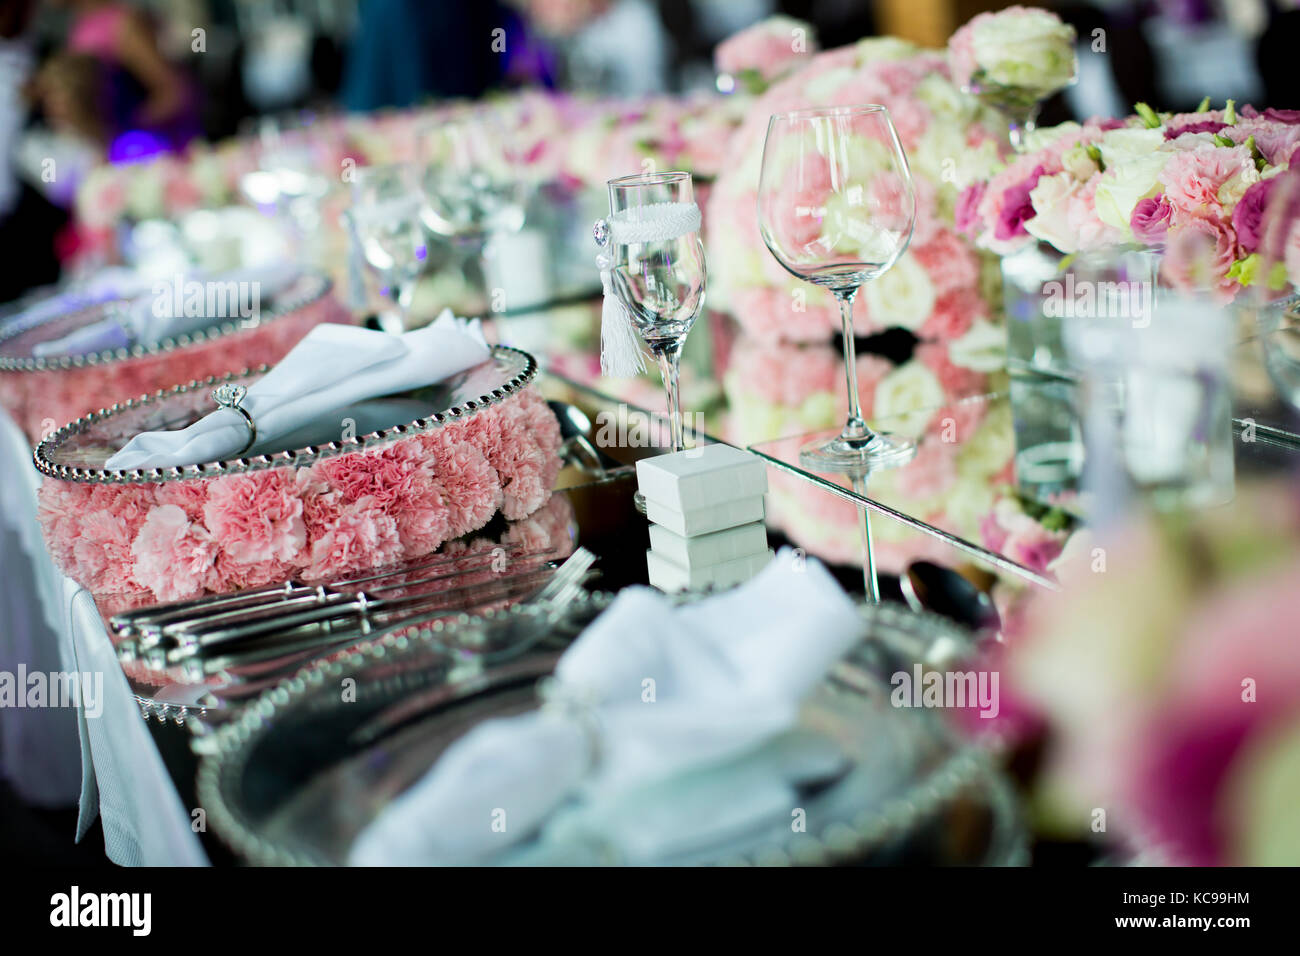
{"type": "Point", "coordinates": [836, 208]}
{"type": "Point", "coordinates": [385, 219]}
{"type": "Point", "coordinates": [657, 268]}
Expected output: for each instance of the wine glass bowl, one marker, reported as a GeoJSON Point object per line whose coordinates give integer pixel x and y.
{"type": "Point", "coordinates": [836, 208]}
{"type": "Point", "coordinates": [469, 179]}
{"type": "Point", "coordinates": [660, 282]}
{"type": "Point", "coordinates": [385, 219]}
{"type": "Point", "coordinates": [657, 268]}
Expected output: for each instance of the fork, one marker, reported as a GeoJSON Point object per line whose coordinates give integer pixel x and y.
{"type": "Point", "coordinates": [295, 635]}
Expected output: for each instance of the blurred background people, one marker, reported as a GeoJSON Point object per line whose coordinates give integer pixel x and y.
{"type": "Point", "coordinates": [114, 83]}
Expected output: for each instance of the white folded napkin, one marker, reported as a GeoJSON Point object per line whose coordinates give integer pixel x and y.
{"type": "Point", "coordinates": [650, 695]}
{"type": "Point", "coordinates": [332, 367]}
{"type": "Point", "coordinates": [149, 317]}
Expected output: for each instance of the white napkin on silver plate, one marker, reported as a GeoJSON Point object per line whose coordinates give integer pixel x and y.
{"type": "Point", "coordinates": [694, 701]}
{"type": "Point", "coordinates": [332, 367]}
{"type": "Point", "coordinates": [147, 317]}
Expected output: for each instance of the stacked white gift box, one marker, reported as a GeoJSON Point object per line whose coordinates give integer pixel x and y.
{"type": "Point", "coordinates": [706, 511]}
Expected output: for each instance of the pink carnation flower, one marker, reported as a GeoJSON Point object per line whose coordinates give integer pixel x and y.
{"type": "Point", "coordinates": [257, 517]}
{"type": "Point", "coordinates": [362, 537]}
{"type": "Point", "coordinates": [1193, 178]}
{"type": "Point", "coordinates": [174, 557]}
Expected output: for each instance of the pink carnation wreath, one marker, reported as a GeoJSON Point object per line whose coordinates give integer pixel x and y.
{"type": "Point", "coordinates": [43, 400]}
{"type": "Point", "coordinates": [351, 512]}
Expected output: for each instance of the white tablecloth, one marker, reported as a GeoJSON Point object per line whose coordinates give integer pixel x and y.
{"type": "Point", "coordinates": [57, 756]}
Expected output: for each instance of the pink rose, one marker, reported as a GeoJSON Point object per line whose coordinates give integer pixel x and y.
{"type": "Point", "coordinates": [966, 215]}
{"type": "Point", "coordinates": [1017, 208]}
{"type": "Point", "coordinates": [932, 470]}
{"type": "Point", "coordinates": [1248, 214]}
{"type": "Point", "coordinates": [1150, 220]}
{"type": "Point", "coordinates": [957, 382]}
{"type": "Point", "coordinates": [953, 315]}
{"type": "Point", "coordinates": [1199, 252]}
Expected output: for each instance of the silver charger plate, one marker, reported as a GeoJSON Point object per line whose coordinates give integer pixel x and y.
{"type": "Point", "coordinates": [301, 773]}
{"type": "Point", "coordinates": [80, 450]}
{"type": "Point", "coordinates": [20, 337]}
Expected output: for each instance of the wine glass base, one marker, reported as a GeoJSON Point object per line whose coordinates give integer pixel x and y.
{"type": "Point", "coordinates": [844, 454]}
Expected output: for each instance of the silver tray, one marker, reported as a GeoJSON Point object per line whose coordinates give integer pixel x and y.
{"type": "Point", "coordinates": [79, 451]}
{"type": "Point", "coordinates": [300, 774]}
{"type": "Point", "coordinates": [18, 338]}
{"type": "Point", "coordinates": [172, 694]}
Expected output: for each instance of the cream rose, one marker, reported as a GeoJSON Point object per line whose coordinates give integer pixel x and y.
{"type": "Point", "coordinates": [1027, 49]}
{"type": "Point", "coordinates": [1051, 199]}
{"type": "Point", "coordinates": [1122, 185]}
{"type": "Point", "coordinates": [906, 398]}
{"type": "Point", "coordinates": [903, 296]}
{"type": "Point", "coordinates": [982, 349]}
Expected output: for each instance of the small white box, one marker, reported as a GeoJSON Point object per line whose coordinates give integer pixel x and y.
{"type": "Point", "coordinates": [701, 477]}
{"type": "Point", "coordinates": [707, 518]}
{"type": "Point", "coordinates": [667, 575]}
{"type": "Point", "coordinates": [730, 544]}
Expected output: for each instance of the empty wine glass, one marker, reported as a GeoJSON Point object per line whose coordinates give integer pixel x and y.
{"type": "Point", "coordinates": [836, 208]}
{"type": "Point", "coordinates": [385, 217]}
{"type": "Point", "coordinates": [657, 268]}
{"type": "Point", "coordinates": [469, 178]}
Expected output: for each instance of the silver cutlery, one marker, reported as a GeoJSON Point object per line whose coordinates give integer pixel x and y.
{"type": "Point", "coordinates": [150, 623]}
{"type": "Point", "coordinates": [250, 669]}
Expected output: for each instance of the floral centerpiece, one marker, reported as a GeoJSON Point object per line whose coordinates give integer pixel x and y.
{"type": "Point", "coordinates": [941, 287]}
{"type": "Point", "coordinates": [1167, 674]}
{"type": "Point", "coordinates": [756, 57]}
{"type": "Point", "coordinates": [1012, 60]}
{"type": "Point", "coordinates": [1193, 185]}
{"type": "Point", "coordinates": [355, 511]}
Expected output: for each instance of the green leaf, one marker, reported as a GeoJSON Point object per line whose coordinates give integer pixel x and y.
{"type": "Point", "coordinates": [1277, 277]}
{"type": "Point", "coordinates": [1148, 115]}
{"type": "Point", "coordinates": [1245, 270]}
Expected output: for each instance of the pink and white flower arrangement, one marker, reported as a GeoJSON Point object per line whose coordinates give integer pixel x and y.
{"type": "Point", "coordinates": [1167, 674]}
{"type": "Point", "coordinates": [1193, 185]}
{"type": "Point", "coordinates": [759, 55]}
{"type": "Point", "coordinates": [940, 287]}
{"type": "Point", "coordinates": [352, 512]}
{"type": "Point", "coordinates": [1019, 48]}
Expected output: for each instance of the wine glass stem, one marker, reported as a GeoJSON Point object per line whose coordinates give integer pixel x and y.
{"type": "Point", "coordinates": [856, 426]}
{"type": "Point", "coordinates": [405, 296]}
{"type": "Point", "coordinates": [871, 582]}
{"type": "Point", "coordinates": [669, 358]}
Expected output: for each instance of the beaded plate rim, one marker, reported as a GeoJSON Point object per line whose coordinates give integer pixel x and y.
{"type": "Point", "coordinates": [966, 766]}
{"type": "Point", "coordinates": [296, 458]}
{"type": "Point", "coordinates": [318, 286]}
